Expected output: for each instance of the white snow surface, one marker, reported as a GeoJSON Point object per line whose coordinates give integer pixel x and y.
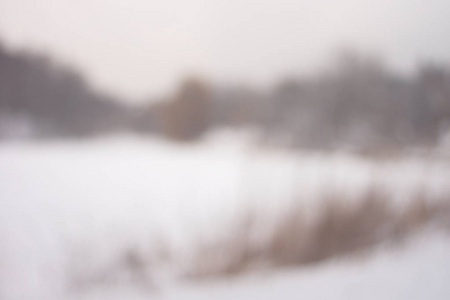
{"type": "Point", "coordinates": [111, 193]}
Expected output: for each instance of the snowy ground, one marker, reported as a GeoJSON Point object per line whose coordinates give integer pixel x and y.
{"type": "Point", "coordinates": [108, 194]}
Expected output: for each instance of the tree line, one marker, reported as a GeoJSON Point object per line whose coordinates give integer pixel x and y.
{"type": "Point", "coordinates": [358, 102]}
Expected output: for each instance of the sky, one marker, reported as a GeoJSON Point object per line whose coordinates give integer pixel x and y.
{"type": "Point", "coordinates": [140, 49]}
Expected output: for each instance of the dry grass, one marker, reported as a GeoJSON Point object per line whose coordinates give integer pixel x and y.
{"type": "Point", "coordinates": [339, 229]}
{"type": "Point", "coordinates": [228, 255]}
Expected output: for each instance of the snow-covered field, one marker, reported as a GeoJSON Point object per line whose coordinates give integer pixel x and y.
{"type": "Point", "coordinates": [83, 203]}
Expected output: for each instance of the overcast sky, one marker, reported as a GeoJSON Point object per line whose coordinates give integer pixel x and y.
{"type": "Point", "coordinates": [139, 48]}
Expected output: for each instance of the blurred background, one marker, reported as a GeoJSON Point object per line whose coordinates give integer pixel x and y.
{"type": "Point", "coordinates": [224, 149]}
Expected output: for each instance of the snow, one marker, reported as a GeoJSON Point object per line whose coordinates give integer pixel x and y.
{"type": "Point", "coordinates": [98, 197]}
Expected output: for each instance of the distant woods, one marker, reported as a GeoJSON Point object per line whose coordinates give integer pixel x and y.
{"type": "Point", "coordinates": [40, 99]}
{"type": "Point", "coordinates": [359, 102]}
